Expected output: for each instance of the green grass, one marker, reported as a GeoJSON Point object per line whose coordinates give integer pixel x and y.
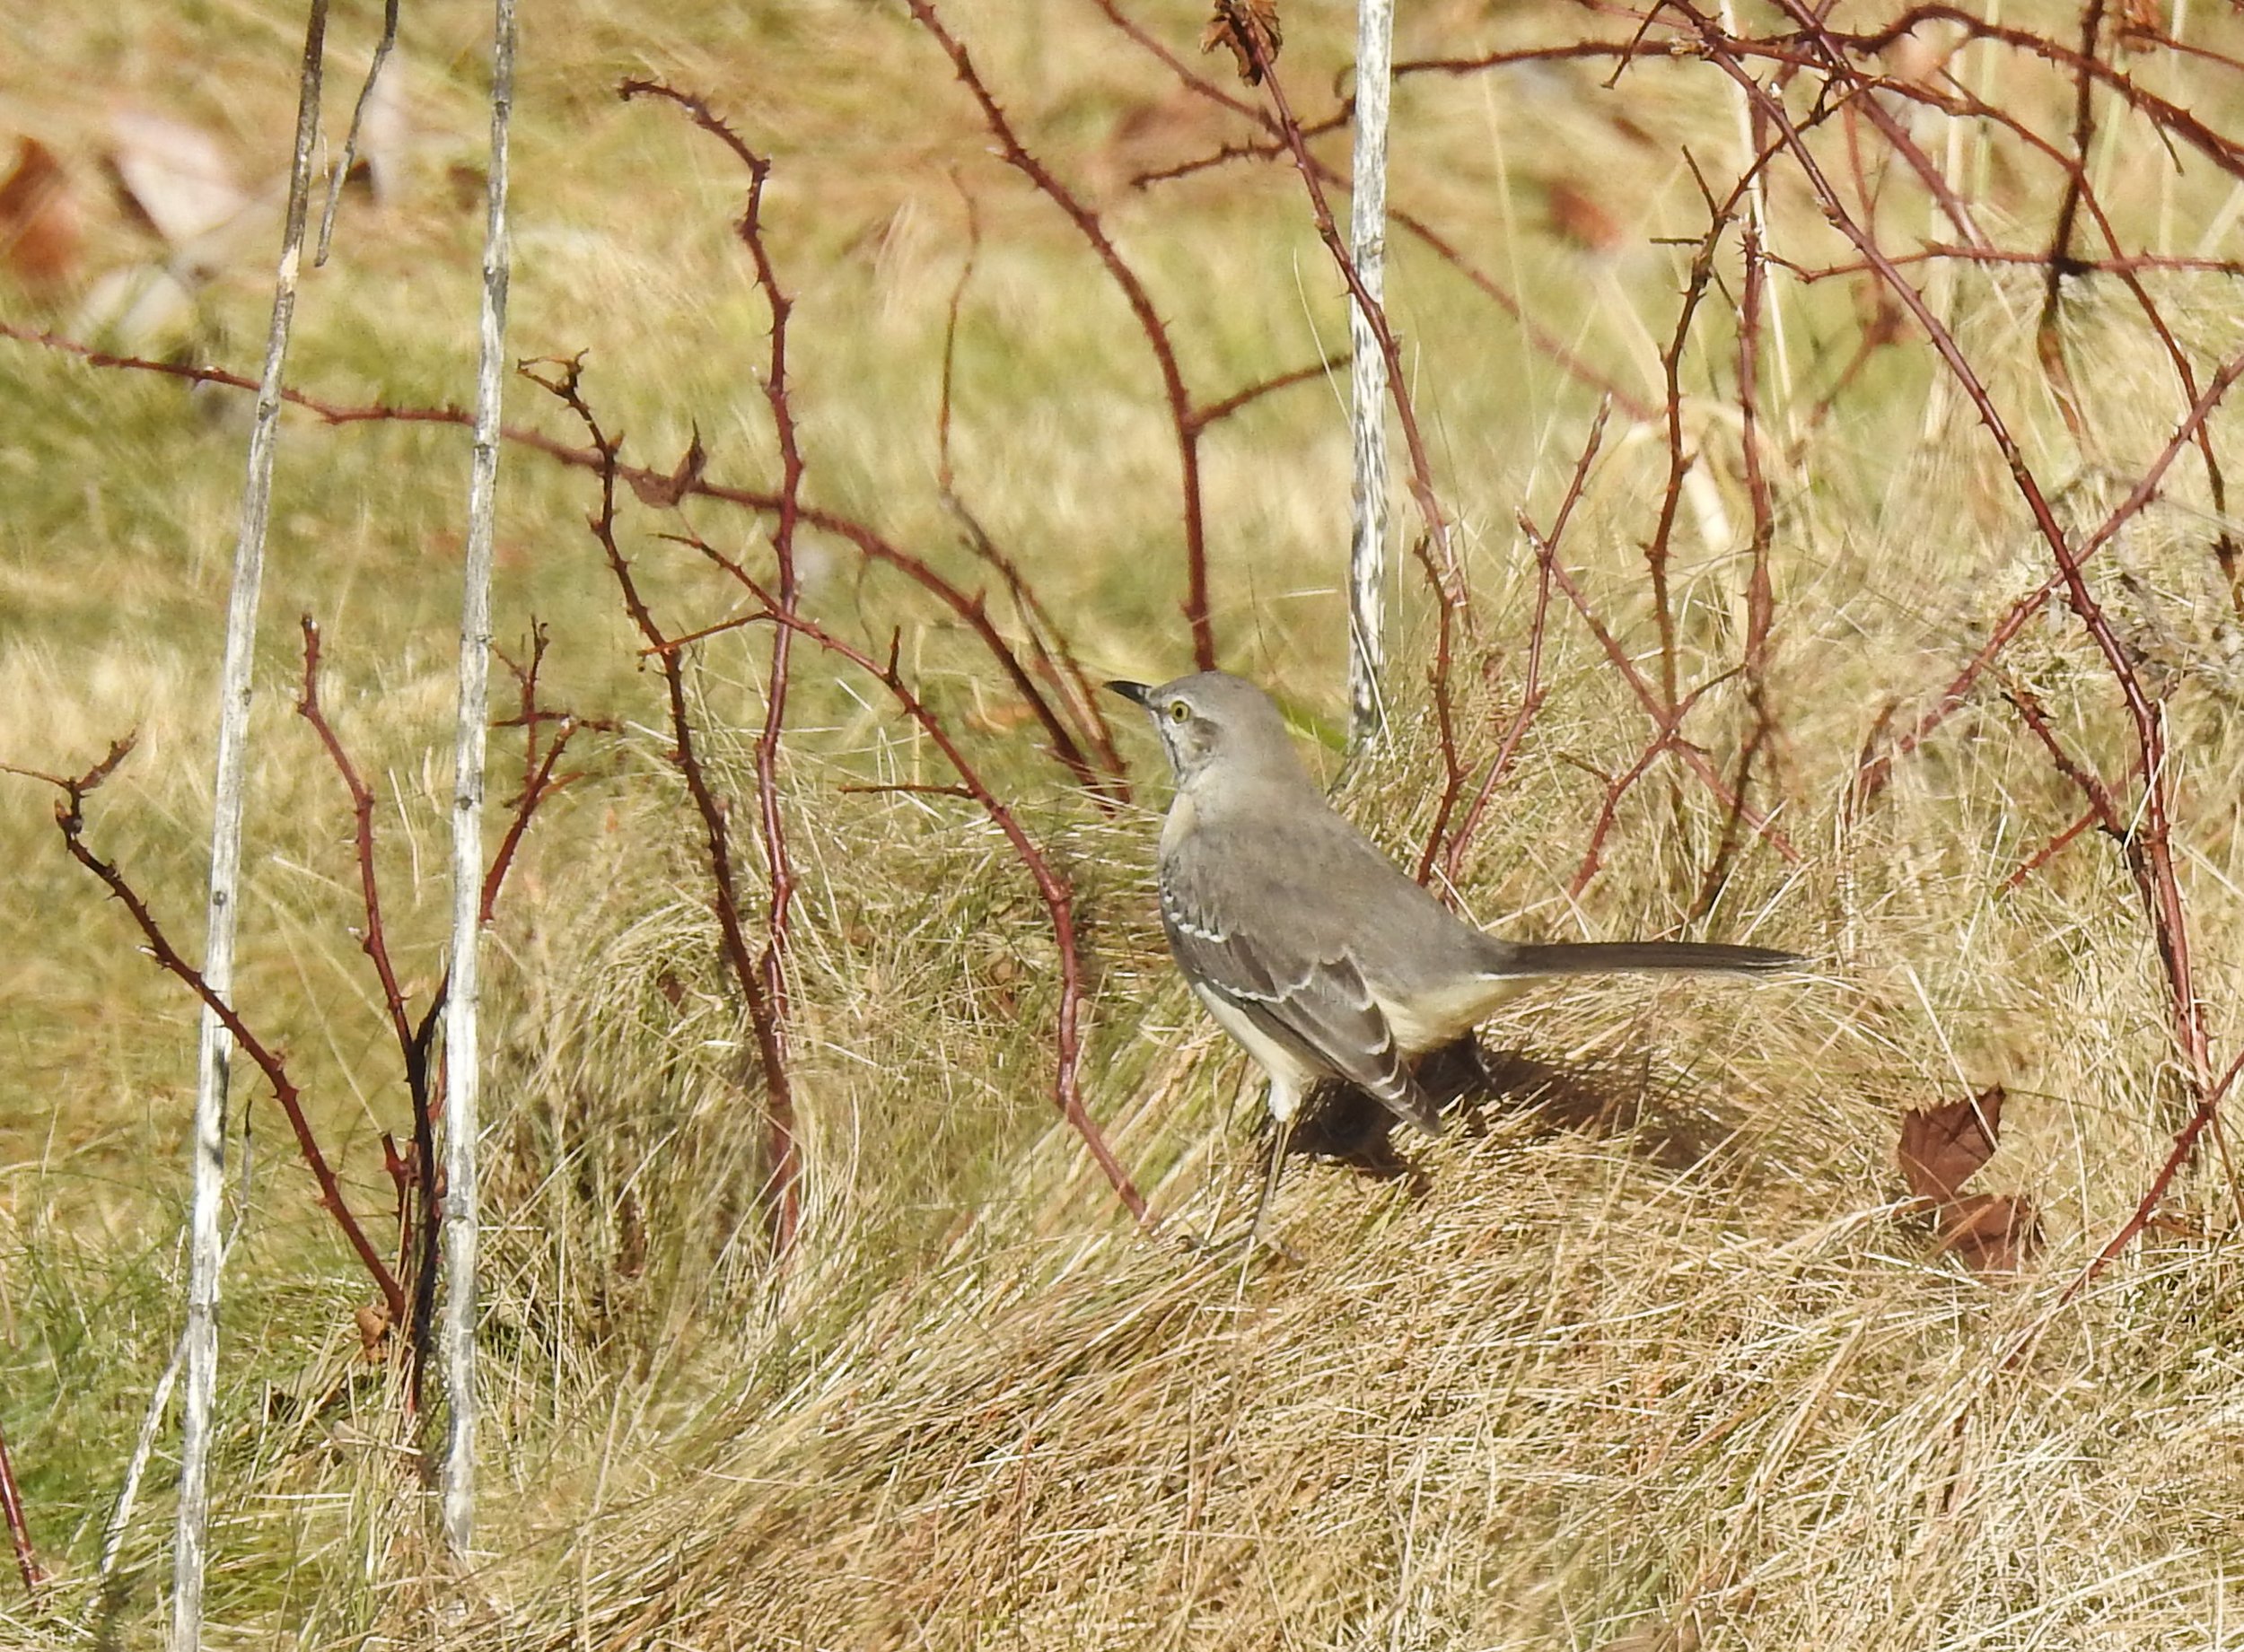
{"type": "Point", "coordinates": [1566, 1387]}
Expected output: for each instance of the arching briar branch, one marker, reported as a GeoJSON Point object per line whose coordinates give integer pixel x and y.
{"type": "Point", "coordinates": [372, 939]}
{"type": "Point", "coordinates": [1051, 890]}
{"type": "Point", "coordinates": [2058, 261]}
{"type": "Point", "coordinates": [2151, 844]}
{"type": "Point", "coordinates": [1664, 722]}
{"type": "Point", "coordinates": [2223, 152]}
{"type": "Point", "coordinates": [2058, 843]}
{"type": "Point", "coordinates": [1339, 119]}
{"type": "Point", "coordinates": [2203, 1117]}
{"type": "Point", "coordinates": [748, 977]}
{"type": "Point", "coordinates": [419, 1219]}
{"type": "Point", "coordinates": [1215, 412]}
{"type": "Point", "coordinates": [2139, 263]}
{"type": "Point", "coordinates": [870, 544]}
{"type": "Point", "coordinates": [1876, 768]}
{"type": "Point", "coordinates": [70, 817]}
{"type": "Point", "coordinates": [1056, 661]}
{"type": "Point", "coordinates": [1810, 48]}
{"type": "Point", "coordinates": [1543, 342]}
{"type": "Point", "coordinates": [1816, 47]}
{"type": "Point", "coordinates": [1617, 787]}
{"type": "Point", "coordinates": [1086, 222]}
{"type": "Point", "coordinates": [779, 871]}
{"type": "Point", "coordinates": [1532, 690]}
{"type": "Point", "coordinates": [2160, 890]}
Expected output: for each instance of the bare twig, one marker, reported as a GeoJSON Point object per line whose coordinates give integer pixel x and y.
{"type": "Point", "coordinates": [714, 811]}
{"type": "Point", "coordinates": [972, 610]}
{"type": "Point", "coordinates": [1663, 721]}
{"type": "Point", "coordinates": [1051, 890]}
{"type": "Point", "coordinates": [1760, 599]}
{"type": "Point", "coordinates": [70, 818]}
{"type": "Point", "coordinates": [1544, 342]}
{"type": "Point", "coordinates": [383, 49]}
{"type": "Point", "coordinates": [779, 872]}
{"type": "Point", "coordinates": [1532, 690]}
{"type": "Point", "coordinates": [26, 1564]}
{"type": "Point", "coordinates": [416, 1213]}
{"type": "Point", "coordinates": [1086, 222]}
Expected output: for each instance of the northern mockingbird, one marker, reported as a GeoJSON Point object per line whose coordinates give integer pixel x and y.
{"type": "Point", "coordinates": [1307, 943]}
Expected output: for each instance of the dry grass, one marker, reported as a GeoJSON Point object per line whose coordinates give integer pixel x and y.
{"type": "Point", "coordinates": [1568, 1382]}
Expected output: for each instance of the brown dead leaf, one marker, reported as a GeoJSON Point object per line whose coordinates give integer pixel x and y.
{"type": "Point", "coordinates": [1248, 30]}
{"type": "Point", "coordinates": [1942, 1148]}
{"type": "Point", "coordinates": [1994, 1233]}
{"type": "Point", "coordinates": [374, 1329]}
{"type": "Point", "coordinates": [42, 231]}
{"type": "Point", "coordinates": [664, 492]}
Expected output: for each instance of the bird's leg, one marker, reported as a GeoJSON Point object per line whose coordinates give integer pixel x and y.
{"type": "Point", "coordinates": [1284, 1101]}
{"type": "Point", "coordinates": [1282, 1131]}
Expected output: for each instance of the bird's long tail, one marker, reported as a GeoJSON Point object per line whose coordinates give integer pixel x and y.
{"type": "Point", "coordinates": [1605, 957]}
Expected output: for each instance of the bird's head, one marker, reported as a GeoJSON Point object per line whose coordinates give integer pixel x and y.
{"type": "Point", "coordinates": [1214, 719]}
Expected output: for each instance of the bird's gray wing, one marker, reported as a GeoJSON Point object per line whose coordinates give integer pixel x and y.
{"type": "Point", "coordinates": [1308, 998]}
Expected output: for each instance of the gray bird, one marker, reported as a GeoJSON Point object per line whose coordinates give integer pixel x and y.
{"type": "Point", "coordinates": [1309, 944]}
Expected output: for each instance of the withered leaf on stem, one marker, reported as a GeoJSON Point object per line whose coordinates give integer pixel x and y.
{"type": "Point", "coordinates": [663, 493]}
{"type": "Point", "coordinates": [1248, 30]}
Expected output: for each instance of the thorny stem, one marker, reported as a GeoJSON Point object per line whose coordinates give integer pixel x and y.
{"type": "Point", "coordinates": [2160, 890]}
{"type": "Point", "coordinates": [772, 966]}
{"type": "Point", "coordinates": [1874, 771]}
{"type": "Point", "coordinates": [1544, 342]}
{"type": "Point", "coordinates": [1532, 690]}
{"type": "Point", "coordinates": [70, 818]}
{"type": "Point", "coordinates": [419, 1218]}
{"type": "Point", "coordinates": [1664, 721]}
{"type": "Point", "coordinates": [1086, 222]}
{"type": "Point", "coordinates": [1760, 598]}
{"type": "Point", "coordinates": [972, 611]}
{"type": "Point", "coordinates": [1051, 890]}
{"type": "Point", "coordinates": [26, 1564]}
{"type": "Point", "coordinates": [724, 894]}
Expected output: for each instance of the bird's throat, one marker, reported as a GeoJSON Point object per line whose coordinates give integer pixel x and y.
{"type": "Point", "coordinates": [1183, 815]}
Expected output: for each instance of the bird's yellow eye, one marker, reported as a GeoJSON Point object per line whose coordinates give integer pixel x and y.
{"type": "Point", "coordinates": [1179, 710]}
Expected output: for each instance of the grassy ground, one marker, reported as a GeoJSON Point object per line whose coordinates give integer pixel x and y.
{"type": "Point", "coordinates": [1690, 1368]}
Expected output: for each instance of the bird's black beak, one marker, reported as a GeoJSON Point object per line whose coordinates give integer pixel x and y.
{"type": "Point", "coordinates": [1134, 692]}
